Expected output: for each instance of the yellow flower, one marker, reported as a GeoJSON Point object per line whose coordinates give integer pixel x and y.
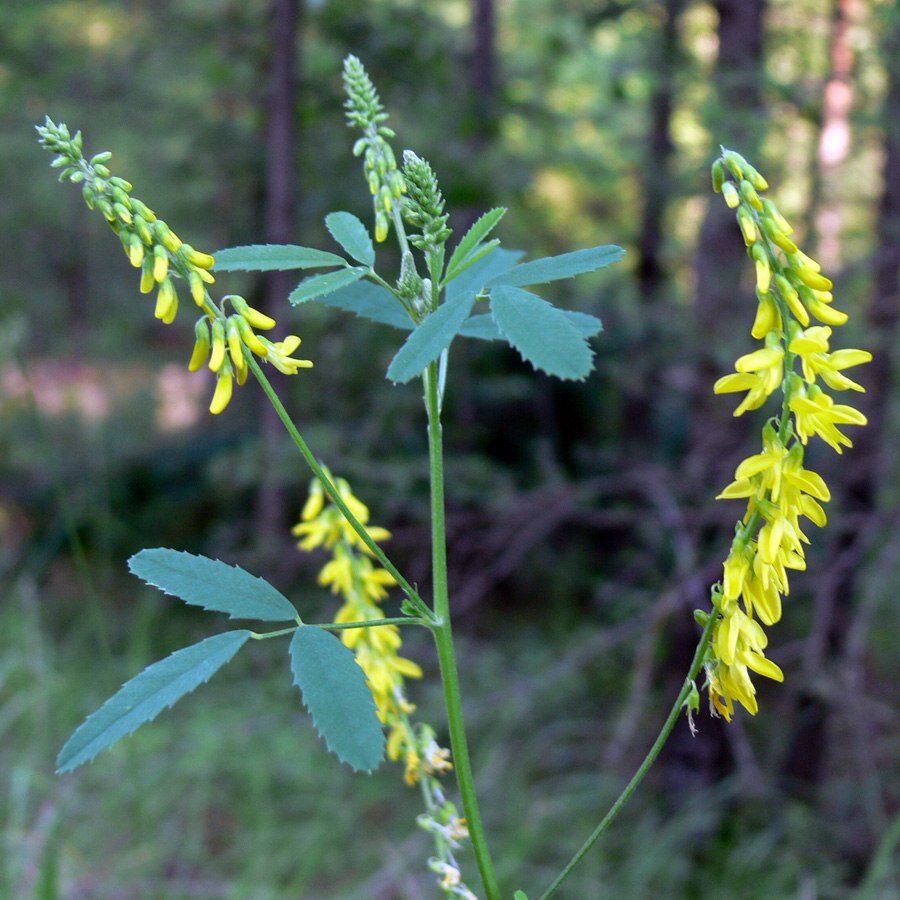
{"type": "Point", "coordinates": [759, 373]}
{"type": "Point", "coordinates": [812, 348]}
{"type": "Point", "coordinates": [817, 414]}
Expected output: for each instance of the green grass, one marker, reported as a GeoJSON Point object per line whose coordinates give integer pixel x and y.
{"type": "Point", "coordinates": [231, 795]}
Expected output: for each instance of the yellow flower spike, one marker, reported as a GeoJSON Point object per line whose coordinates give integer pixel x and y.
{"type": "Point", "coordinates": [779, 238]}
{"type": "Point", "coordinates": [735, 163]}
{"type": "Point", "coordinates": [755, 178]}
{"type": "Point", "coordinates": [222, 395]}
{"type": "Point", "coordinates": [249, 338]}
{"type": "Point", "coordinates": [166, 302]}
{"type": "Point", "coordinates": [314, 502]}
{"type": "Point", "coordinates": [217, 359]}
{"type": "Point", "coordinates": [731, 195]}
{"type": "Point", "coordinates": [279, 354]}
{"type": "Point", "coordinates": [201, 345]}
{"type": "Point", "coordinates": [160, 263]}
{"type": "Point", "coordinates": [205, 276]}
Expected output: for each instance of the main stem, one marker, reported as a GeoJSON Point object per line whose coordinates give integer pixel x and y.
{"type": "Point", "coordinates": [649, 759]}
{"type": "Point", "coordinates": [443, 635]}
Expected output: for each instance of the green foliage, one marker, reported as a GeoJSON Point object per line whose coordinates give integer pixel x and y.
{"type": "Point", "coordinates": [566, 265]}
{"type": "Point", "coordinates": [369, 301]}
{"type": "Point", "coordinates": [320, 285]}
{"type": "Point", "coordinates": [485, 328]}
{"type": "Point", "coordinates": [147, 695]}
{"type": "Point", "coordinates": [540, 332]}
{"type": "Point", "coordinates": [272, 257]}
{"type": "Point", "coordinates": [335, 692]}
{"type": "Point", "coordinates": [213, 585]}
{"type": "Point", "coordinates": [430, 338]}
{"type": "Point", "coordinates": [352, 235]}
{"type": "Point", "coordinates": [471, 248]}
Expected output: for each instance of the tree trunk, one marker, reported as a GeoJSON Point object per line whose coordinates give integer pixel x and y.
{"type": "Point", "coordinates": [280, 202]}
{"type": "Point", "coordinates": [483, 70]}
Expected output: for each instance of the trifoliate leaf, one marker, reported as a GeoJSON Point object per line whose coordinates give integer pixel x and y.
{"type": "Point", "coordinates": [430, 338]}
{"type": "Point", "coordinates": [541, 333]}
{"type": "Point", "coordinates": [371, 301]}
{"type": "Point", "coordinates": [212, 585]}
{"type": "Point", "coordinates": [148, 694]}
{"type": "Point", "coordinates": [567, 265]}
{"type": "Point", "coordinates": [352, 235]}
{"type": "Point", "coordinates": [335, 692]}
{"type": "Point", "coordinates": [325, 284]}
{"type": "Point", "coordinates": [480, 229]}
{"type": "Point", "coordinates": [272, 257]}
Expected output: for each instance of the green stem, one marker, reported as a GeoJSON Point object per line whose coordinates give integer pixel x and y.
{"type": "Point", "coordinates": [332, 491]}
{"type": "Point", "coordinates": [443, 636]}
{"type": "Point", "coordinates": [649, 759]}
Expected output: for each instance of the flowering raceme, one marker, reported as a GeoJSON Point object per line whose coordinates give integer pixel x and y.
{"type": "Point", "coordinates": [352, 575]}
{"type": "Point", "coordinates": [222, 340]}
{"type": "Point", "coordinates": [769, 540]}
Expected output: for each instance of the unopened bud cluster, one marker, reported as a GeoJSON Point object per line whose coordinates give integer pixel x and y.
{"type": "Point", "coordinates": [365, 111]}
{"type": "Point", "coordinates": [779, 490]}
{"type": "Point", "coordinates": [423, 205]}
{"type": "Point", "coordinates": [163, 258]}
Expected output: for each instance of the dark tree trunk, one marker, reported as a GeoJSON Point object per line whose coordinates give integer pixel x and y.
{"type": "Point", "coordinates": [483, 69]}
{"type": "Point", "coordinates": [280, 203]}
{"type": "Point", "coordinates": [657, 169]}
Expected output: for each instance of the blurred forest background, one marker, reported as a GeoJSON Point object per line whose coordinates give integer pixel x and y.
{"type": "Point", "coordinates": [583, 529]}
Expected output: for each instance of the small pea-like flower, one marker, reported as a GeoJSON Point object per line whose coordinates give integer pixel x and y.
{"type": "Point", "coordinates": [759, 373]}
{"type": "Point", "coordinates": [816, 413]}
{"type": "Point", "coordinates": [812, 347]}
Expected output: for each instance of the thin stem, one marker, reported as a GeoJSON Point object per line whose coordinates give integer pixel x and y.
{"type": "Point", "coordinates": [332, 491]}
{"type": "Point", "coordinates": [265, 635]}
{"type": "Point", "coordinates": [649, 759]}
{"type": "Point", "coordinates": [443, 637]}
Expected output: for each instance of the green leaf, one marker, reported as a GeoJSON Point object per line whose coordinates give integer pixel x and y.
{"type": "Point", "coordinates": [271, 257]}
{"type": "Point", "coordinates": [485, 328]}
{"type": "Point", "coordinates": [478, 253]}
{"type": "Point", "coordinates": [433, 335]}
{"type": "Point", "coordinates": [321, 285]}
{"type": "Point", "coordinates": [147, 695]}
{"type": "Point", "coordinates": [337, 696]}
{"type": "Point", "coordinates": [478, 275]}
{"type": "Point", "coordinates": [212, 585]}
{"type": "Point", "coordinates": [370, 301]}
{"type": "Point", "coordinates": [352, 235]}
{"type": "Point", "coordinates": [567, 265]}
{"type": "Point", "coordinates": [541, 333]}
{"type": "Point", "coordinates": [480, 229]}
{"type": "Point", "coordinates": [520, 895]}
